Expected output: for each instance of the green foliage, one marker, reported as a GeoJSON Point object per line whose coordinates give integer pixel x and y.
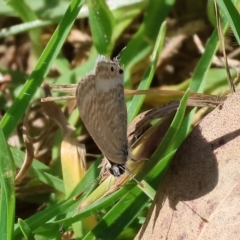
{"type": "Point", "coordinates": [122, 209]}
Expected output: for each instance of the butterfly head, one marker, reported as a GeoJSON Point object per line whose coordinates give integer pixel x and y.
{"type": "Point", "coordinates": [116, 169]}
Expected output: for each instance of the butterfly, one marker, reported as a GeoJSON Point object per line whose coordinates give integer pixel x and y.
{"type": "Point", "coordinates": [102, 107]}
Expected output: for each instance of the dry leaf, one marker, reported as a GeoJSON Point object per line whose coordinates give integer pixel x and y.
{"type": "Point", "coordinates": [199, 196]}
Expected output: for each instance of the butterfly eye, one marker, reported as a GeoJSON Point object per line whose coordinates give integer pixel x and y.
{"type": "Point", "coordinates": [112, 69]}
{"type": "Point", "coordinates": [120, 71]}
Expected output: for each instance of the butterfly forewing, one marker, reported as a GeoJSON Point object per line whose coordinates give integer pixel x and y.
{"type": "Point", "coordinates": [90, 112]}
{"type": "Point", "coordinates": [100, 100]}
{"type": "Point", "coordinates": [110, 91]}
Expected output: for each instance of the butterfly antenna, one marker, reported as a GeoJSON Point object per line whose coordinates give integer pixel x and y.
{"type": "Point", "coordinates": [117, 58]}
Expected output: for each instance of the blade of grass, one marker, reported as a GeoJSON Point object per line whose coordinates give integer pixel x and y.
{"type": "Point", "coordinates": [143, 41]}
{"type": "Point", "coordinates": [223, 47]}
{"type": "Point", "coordinates": [45, 215]}
{"type": "Point", "coordinates": [24, 27]}
{"type": "Point", "coordinates": [56, 14]}
{"type": "Point", "coordinates": [199, 80]}
{"type": "Point", "coordinates": [16, 111]}
{"type": "Point", "coordinates": [200, 76]}
{"type": "Point", "coordinates": [25, 230]}
{"type": "Point", "coordinates": [232, 15]}
{"type": "Point", "coordinates": [124, 17]}
{"type": "Point", "coordinates": [95, 207]}
{"type": "Point", "coordinates": [147, 189]}
{"type": "Point", "coordinates": [27, 14]}
{"type": "Point", "coordinates": [113, 224]}
{"type": "Point", "coordinates": [40, 218]}
{"type": "Point", "coordinates": [7, 196]}
{"type": "Point", "coordinates": [137, 101]}
{"type": "Point", "coordinates": [169, 137]}
{"type": "Point", "coordinates": [201, 70]}
{"type": "Point", "coordinates": [102, 23]}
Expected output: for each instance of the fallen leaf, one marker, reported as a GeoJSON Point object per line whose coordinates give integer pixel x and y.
{"type": "Point", "coordinates": [199, 196]}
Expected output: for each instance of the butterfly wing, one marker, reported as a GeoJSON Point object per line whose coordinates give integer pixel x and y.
{"type": "Point", "coordinates": [110, 91]}
{"type": "Point", "coordinates": [91, 113]}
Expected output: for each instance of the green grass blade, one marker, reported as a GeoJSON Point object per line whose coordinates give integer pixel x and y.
{"type": "Point", "coordinates": [102, 23]}
{"type": "Point", "coordinates": [148, 76]}
{"type": "Point", "coordinates": [232, 15]}
{"type": "Point", "coordinates": [45, 215]}
{"type": "Point", "coordinates": [56, 14]}
{"type": "Point", "coordinates": [147, 189]}
{"type": "Point", "coordinates": [27, 14]}
{"type": "Point", "coordinates": [25, 230]}
{"type": "Point", "coordinates": [40, 218]}
{"type": "Point", "coordinates": [165, 145]}
{"type": "Point", "coordinates": [198, 82]}
{"type": "Point", "coordinates": [143, 41]}
{"type": "Point", "coordinates": [201, 70]}
{"type": "Point", "coordinates": [199, 78]}
{"type": "Point", "coordinates": [16, 111]}
{"type": "Point", "coordinates": [7, 195]}
{"type": "Point", "coordinates": [24, 27]}
{"type": "Point", "coordinates": [120, 216]}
